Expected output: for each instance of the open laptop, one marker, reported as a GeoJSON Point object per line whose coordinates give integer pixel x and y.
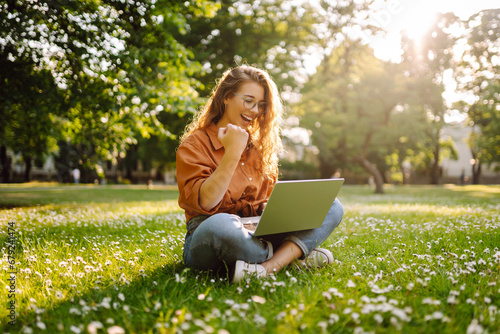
{"type": "Point", "coordinates": [295, 206]}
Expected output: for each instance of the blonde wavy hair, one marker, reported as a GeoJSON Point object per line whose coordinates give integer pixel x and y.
{"type": "Point", "coordinates": [264, 132]}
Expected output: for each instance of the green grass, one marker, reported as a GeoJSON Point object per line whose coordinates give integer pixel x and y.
{"type": "Point", "coordinates": [418, 259]}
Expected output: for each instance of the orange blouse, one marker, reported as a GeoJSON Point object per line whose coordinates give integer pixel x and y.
{"type": "Point", "coordinates": [197, 158]}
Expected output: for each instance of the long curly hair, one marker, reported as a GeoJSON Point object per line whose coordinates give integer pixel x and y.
{"type": "Point", "coordinates": [264, 131]}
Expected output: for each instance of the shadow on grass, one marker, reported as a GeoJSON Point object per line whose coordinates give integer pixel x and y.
{"type": "Point", "coordinates": [28, 197]}
{"type": "Point", "coordinates": [136, 306]}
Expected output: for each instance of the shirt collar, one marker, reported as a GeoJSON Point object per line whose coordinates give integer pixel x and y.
{"type": "Point", "coordinates": [213, 134]}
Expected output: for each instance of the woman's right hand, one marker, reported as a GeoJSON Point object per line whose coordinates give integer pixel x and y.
{"type": "Point", "coordinates": [234, 139]}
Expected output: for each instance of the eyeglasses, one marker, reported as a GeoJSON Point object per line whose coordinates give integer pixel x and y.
{"type": "Point", "coordinates": [249, 103]}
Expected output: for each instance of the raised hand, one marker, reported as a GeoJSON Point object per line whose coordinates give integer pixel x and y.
{"type": "Point", "coordinates": [234, 139]}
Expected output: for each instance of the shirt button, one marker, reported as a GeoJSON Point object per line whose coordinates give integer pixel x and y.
{"type": "Point", "coordinates": [250, 178]}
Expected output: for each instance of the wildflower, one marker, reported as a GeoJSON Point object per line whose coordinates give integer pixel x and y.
{"type": "Point", "coordinates": [116, 330]}
{"type": "Point", "coordinates": [437, 315]}
{"type": "Point", "coordinates": [327, 295]}
{"type": "Point", "coordinates": [323, 325]}
{"type": "Point", "coordinates": [431, 301]}
{"type": "Point", "coordinates": [106, 302]}
{"type": "Point", "coordinates": [333, 318]}
{"type": "Point", "coordinates": [474, 327]}
{"type": "Point", "coordinates": [492, 309]}
{"type": "Point", "coordinates": [378, 318]}
{"type": "Point", "coordinates": [94, 326]}
{"type": "Point", "coordinates": [75, 329]}
{"type": "Point", "coordinates": [259, 320]}
{"type": "Point", "coordinates": [351, 284]}
{"type": "Point", "coordinates": [74, 310]}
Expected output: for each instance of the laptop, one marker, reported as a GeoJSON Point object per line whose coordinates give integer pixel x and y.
{"type": "Point", "coordinates": [295, 206]}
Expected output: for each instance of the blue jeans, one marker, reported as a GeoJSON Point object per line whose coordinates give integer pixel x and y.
{"type": "Point", "coordinates": [221, 239]}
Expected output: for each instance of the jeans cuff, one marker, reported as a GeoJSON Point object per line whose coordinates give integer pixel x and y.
{"type": "Point", "coordinates": [298, 242]}
{"type": "Point", "coordinates": [270, 252]}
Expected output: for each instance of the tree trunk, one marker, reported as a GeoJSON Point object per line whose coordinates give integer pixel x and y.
{"type": "Point", "coordinates": [435, 166]}
{"type": "Point", "coordinates": [372, 169]}
{"type": "Point", "coordinates": [404, 172]}
{"type": "Point", "coordinates": [5, 161]}
{"type": "Point", "coordinates": [27, 170]}
{"type": "Point", "coordinates": [476, 172]}
{"type": "Point", "coordinates": [326, 169]}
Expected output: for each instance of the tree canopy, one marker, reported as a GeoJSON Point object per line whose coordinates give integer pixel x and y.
{"type": "Point", "coordinates": [97, 81]}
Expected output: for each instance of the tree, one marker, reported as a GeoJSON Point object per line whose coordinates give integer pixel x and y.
{"type": "Point", "coordinates": [273, 35]}
{"type": "Point", "coordinates": [27, 119]}
{"type": "Point", "coordinates": [479, 75]}
{"type": "Point", "coordinates": [425, 62]}
{"type": "Point", "coordinates": [349, 109]}
{"type": "Point", "coordinates": [116, 64]}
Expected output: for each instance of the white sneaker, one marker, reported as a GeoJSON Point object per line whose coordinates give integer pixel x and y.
{"type": "Point", "coordinates": [318, 257]}
{"type": "Point", "coordinates": [242, 269]}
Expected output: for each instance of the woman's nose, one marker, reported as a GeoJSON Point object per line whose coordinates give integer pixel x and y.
{"type": "Point", "coordinates": [255, 108]}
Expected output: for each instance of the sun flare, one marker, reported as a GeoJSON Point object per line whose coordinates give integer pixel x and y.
{"type": "Point", "coordinates": [418, 21]}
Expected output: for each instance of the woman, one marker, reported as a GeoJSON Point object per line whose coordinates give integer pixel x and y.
{"type": "Point", "coordinates": [227, 165]}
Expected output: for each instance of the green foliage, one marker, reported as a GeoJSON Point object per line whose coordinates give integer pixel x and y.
{"type": "Point", "coordinates": [103, 76]}
{"type": "Point", "coordinates": [270, 34]}
{"type": "Point", "coordinates": [349, 106]}
{"type": "Point", "coordinates": [425, 63]}
{"type": "Point", "coordinates": [110, 70]}
{"type": "Point", "coordinates": [480, 62]}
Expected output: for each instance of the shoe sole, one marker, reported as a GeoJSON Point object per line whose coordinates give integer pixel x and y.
{"type": "Point", "coordinates": [327, 254]}
{"type": "Point", "coordinates": [238, 272]}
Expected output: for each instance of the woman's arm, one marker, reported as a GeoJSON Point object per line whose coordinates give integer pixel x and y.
{"type": "Point", "coordinates": [235, 140]}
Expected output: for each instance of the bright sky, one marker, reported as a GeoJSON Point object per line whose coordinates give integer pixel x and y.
{"type": "Point", "coordinates": [415, 16]}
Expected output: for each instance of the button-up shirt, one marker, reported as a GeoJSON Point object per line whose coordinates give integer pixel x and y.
{"type": "Point", "coordinates": [197, 158]}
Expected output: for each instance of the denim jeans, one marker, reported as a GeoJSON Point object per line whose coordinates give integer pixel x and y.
{"type": "Point", "coordinates": [221, 239]}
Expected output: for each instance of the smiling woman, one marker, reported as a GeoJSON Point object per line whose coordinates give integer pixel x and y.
{"type": "Point", "coordinates": [226, 170]}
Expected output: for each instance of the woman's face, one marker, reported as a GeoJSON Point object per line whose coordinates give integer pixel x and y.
{"type": "Point", "coordinates": [237, 112]}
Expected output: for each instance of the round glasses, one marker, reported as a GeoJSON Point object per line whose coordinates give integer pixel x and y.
{"type": "Point", "coordinates": [249, 103]}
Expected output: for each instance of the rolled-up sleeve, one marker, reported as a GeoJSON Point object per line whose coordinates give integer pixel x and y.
{"type": "Point", "coordinates": [193, 168]}
{"type": "Point", "coordinates": [198, 157]}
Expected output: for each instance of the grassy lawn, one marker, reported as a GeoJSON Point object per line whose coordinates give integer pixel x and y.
{"type": "Point", "coordinates": [108, 259]}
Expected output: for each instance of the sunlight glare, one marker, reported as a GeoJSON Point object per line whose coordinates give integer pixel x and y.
{"type": "Point", "coordinates": [418, 21]}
